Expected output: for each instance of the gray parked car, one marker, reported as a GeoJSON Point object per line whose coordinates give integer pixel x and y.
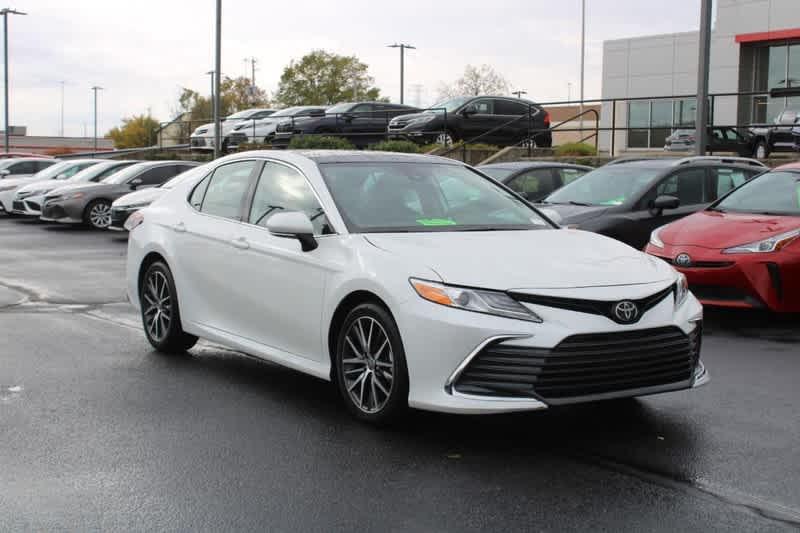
{"type": "Point", "coordinates": [90, 203]}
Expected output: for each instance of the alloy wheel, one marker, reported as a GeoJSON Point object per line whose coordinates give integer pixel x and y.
{"type": "Point", "coordinates": [445, 139]}
{"type": "Point", "coordinates": [100, 215]}
{"type": "Point", "coordinates": [761, 151]}
{"type": "Point", "coordinates": [157, 301]}
{"type": "Point", "coordinates": [368, 365]}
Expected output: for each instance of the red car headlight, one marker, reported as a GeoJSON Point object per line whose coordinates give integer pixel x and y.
{"type": "Point", "coordinates": [772, 244]}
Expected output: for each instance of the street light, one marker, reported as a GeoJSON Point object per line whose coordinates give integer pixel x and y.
{"type": "Point", "coordinates": [95, 89]}
{"type": "Point", "coordinates": [6, 12]}
{"type": "Point", "coordinates": [402, 48]}
{"type": "Point", "coordinates": [217, 68]}
{"type": "Point", "coordinates": [583, 56]}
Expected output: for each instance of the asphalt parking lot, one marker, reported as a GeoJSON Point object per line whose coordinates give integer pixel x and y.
{"type": "Point", "coordinates": [101, 433]}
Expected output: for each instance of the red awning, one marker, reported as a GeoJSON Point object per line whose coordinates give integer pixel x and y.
{"type": "Point", "coordinates": [764, 36]}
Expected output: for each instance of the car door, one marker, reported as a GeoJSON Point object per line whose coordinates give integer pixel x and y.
{"type": "Point", "coordinates": [782, 138]}
{"type": "Point", "coordinates": [204, 238]}
{"type": "Point", "coordinates": [535, 184]}
{"type": "Point", "coordinates": [480, 122]}
{"type": "Point", "coordinates": [360, 124]}
{"type": "Point", "coordinates": [512, 119]}
{"type": "Point", "coordinates": [689, 185]}
{"type": "Point", "coordinates": [282, 308]}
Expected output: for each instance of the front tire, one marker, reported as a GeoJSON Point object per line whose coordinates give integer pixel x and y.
{"type": "Point", "coordinates": [370, 365]}
{"type": "Point", "coordinates": [761, 151]}
{"type": "Point", "coordinates": [161, 316]}
{"type": "Point", "coordinates": [98, 214]}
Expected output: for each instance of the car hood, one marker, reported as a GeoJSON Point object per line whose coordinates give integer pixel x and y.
{"type": "Point", "coordinates": [77, 187]}
{"type": "Point", "coordinates": [140, 197]}
{"type": "Point", "coordinates": [412, 116]}
{"type": "Point", "coordinates": [575, 214]}
{"type": "Point", "coordinates": [40, 185]}
{"type": "Point", "coordinates": [715, 230]}
{"type": "Point", "coordinates": [535, 259]}
{"type": "Point", "coordinates": [7, 182]}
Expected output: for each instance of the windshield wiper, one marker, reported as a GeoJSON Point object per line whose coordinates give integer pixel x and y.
{"type": "Point", "coordinates": [583, 204]}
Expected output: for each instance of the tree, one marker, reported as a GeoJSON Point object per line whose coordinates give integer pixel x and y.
{"type": "Point", "coordinates": [323, 78]}
{"type": "Point", "coordinates": [136, 131]}
{"type": "Point", "coordinates": [474, 82]}
{"type": "Point", "coordinates": [235, 95]}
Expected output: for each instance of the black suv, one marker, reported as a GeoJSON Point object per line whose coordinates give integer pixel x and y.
{"type": "Point", "coordinates": [362, 123]}
{"type": "Point", "coordinates": [779, 137]}
{"type": "Point", "coordinates": [628, 199]}
{"type": "Point", "coordinates": [487, 119]}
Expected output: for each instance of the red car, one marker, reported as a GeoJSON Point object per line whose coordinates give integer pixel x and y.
{"type": "Point", "coordinates": [744, 249]}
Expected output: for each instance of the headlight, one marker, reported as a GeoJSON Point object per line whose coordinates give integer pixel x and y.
{"type": "Point", "coordinates": [421, 120]}
{"type": "Point", "coordinates": [480, 301]}
{"type": "Point", "coordinates": [681, 290]}
{"type": "Point", "coordinates": [655, 237]}
{"type": "Point", "coordinates": [130, 207]}
{"type": "Point", "coordinates": [73, 196]}
{"type": "Point", "coordinates": [772, 244]}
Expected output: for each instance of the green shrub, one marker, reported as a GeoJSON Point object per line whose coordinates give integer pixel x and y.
{"type": "Point", "coordinates": [575, 149]}
{"type": "Point", "coordinates": [406, 147]}
{"type": "Point", "coordinates": [316, 142]}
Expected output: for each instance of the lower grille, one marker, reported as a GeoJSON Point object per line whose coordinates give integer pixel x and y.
{"type": "Point", "coordinates": [584, 365]}
{"type": "Point", "coordinates": [718, 292]}
{"type": "Point", "coordinates": [35, 206]}
{"type": "Point", "coordinates": [18, 205]}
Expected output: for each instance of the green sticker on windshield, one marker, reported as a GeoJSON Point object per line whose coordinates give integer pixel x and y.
{"type": "Point", "coordinates": [436, 221]}
{"type": "Point", "coordinates": [614, 201]}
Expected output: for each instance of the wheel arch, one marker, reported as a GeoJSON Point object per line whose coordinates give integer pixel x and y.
{"type": "Point", "coordinates": [148, 260]}
{"type": "Point", "coordinates": [347, 304]}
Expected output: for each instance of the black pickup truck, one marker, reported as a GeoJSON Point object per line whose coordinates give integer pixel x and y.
{"type": "Point", "coordinates": [778, 137]}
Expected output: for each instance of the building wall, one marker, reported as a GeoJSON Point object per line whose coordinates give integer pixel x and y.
{"type": "Point", "coordinates": [57, 145]}
{"type": "Point", "coordinates": [665, 65]}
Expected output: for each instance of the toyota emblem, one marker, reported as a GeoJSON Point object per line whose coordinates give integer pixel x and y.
{"type": "Point", "coordinates": [626, 312]}
{"type": "Point", "coordinates": [683, 260]}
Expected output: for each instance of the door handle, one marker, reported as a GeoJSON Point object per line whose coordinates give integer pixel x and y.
{"type": "Point", "coordinates": [180, 227]}
{"type": "Point", "coordinates": [240, 243]}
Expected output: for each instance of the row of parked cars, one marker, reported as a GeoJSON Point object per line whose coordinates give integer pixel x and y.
{"type": "Point", "coordinates": [95, 192]}
{"type": "Point", "coordinates": [497, 120]}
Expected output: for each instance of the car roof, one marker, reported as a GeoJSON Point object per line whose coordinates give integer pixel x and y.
{"type": "Point", "coordinates": [347, 156]}
{"type": "Point", "coordinates": [789, 166]}
{"type": "Point", "coordinates": [521, 165]}
{"type": "Point", "coordinates": [673, 162]}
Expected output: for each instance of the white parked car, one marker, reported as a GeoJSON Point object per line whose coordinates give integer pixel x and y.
{"type": "Point", "coordinates": [61, 170]}
{"type": "Point", "coordinates": [202, 138]}
{"type": "Point", "coordinates": [28, 199]}
{"type": "Point", "coordinates": [263, 131]}
{"type": "Point", "coordinates": [407, 280]}
{"type": "Point", "coordinates": [23, 167]}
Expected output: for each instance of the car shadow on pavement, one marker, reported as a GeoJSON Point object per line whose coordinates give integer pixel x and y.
{"type": "Point", "coordinates": [757, 324]}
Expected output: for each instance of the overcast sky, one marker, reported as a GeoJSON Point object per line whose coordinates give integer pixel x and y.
{"type": "Point", "coordinates": [142, 52]}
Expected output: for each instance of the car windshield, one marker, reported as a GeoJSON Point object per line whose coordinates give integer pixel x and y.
{"type": "Point", "coordinates": [54, 170]}
{"type": "Point", "coordinates": [242, 114]}
{"type": "Point", "coordinates": [497, 173]}
{"type": "Point", "coordinates": [449, 105]}
{"type": "Point", "coordinates": [423, 197]}
{"type": "Point", "coordinates": [608, 185]}
{"type": "Point", "coordinates": [288, 112]}
{"type": "Point", "coordinates": [185, 176]}
{"type": "Point", "coordinates": [339, 108]}
{"type": "Point", "coordinates": [87, 174]}
{"type": "Point", "coordinates": [124, 175]}
{"type": "Point", "coordinates": [776, 192]}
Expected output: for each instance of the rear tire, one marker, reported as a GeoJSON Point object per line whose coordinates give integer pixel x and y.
{"type": "Point", "coordinates": [761, 151]}
{"type": "Point", "coordinates": [370, 365]}
{"type": "Point", "coordinates": [161, 316]}
{"type": "Point", "coordinates": [98, 214]}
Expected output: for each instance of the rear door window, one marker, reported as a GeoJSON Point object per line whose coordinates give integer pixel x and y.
{"type": "Point", "coordinates": [689, 186]}
{"type": "Point", "coordinates": [507, 107]}
{"type": "Point", "coordinates": [24, 167]}
{"type": "Point", "coordinates": [227, 189]}
{"type": "Point", "coordinates": [484, 107]}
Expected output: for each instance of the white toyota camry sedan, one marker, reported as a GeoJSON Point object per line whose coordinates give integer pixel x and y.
{"type": "Point", "coordinates": [408, 281]}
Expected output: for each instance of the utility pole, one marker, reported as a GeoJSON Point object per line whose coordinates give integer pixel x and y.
{"type": "Point", "coordinates": [701, 121]}
{"type": "Point", "coordinates": [402, 48]}
{"type": "Point", "coordinates": [519, 94]}
{"type": "Point", "coordinates": [569, 91]}
{"type": "Point", "coordinates": [583, 58]}
{"type": "Point", "coordinates": [252, 61]}
{"type": "Point", "coordinates": [217, 69]}
{"type": "Point", "coordinates": [6, 12]}
{"type": "Point", "coordinates": [61, 129]}
{"type": "Point", "coordinates": [95, 89]}
{"type": "Point", "coordinates": [417, 88]}
{"type": "Point", "coordinates": [213, 101]}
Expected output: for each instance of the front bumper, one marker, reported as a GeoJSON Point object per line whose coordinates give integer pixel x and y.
{"type": "Point", "coordinates": [64, 211]}
{"type": "Point", "coordinates": [744, 281]}
{"type": "Point", "coordinates": [441, 343]}
{"type": "Point", "coordinates": [30, 205]}
{"type": "Point", "coordinates": [118, 217]}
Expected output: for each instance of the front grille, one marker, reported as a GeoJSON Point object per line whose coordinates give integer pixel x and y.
{"type": "Point", "coordinates": [398, 125]}
{"type": "Point", "coordinates": [198, 142]}
{"type": "Point", "coordinates": [719, 292]}
{"type": "Point", "coordinates": [584, 365]}
{"type": "Point", "coordinates": [698, 264]}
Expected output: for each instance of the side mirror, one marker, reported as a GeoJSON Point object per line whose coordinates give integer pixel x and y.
{"type": "Point", "coordinates": [470, 110]}
{"type": "Point", "coordinates": [347, 117]}
{"type": "Point", "coordinates": [666, 201]}
{"type": "Point", "coordinates": [135, 182]}
{"type": "Point", "coordinates": [5, 172]}
{"type": "Point", "coordinates": [61, 177]}
{"type": "Point", "coordinates": [293, 225]}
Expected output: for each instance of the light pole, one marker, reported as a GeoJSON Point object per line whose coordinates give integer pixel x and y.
{"type": "Point", "coordinates": [95, 89]}
{"type": "Point", "coordinates": [583, 57]}
{"type": "Point", "coordinates": [569, 91]}
{"type": "Point", "coordinates": [61, 129]}
{"type": "Point", "coordinates": [519, 94]}
{"type": "Point", "coordinates": [701, 119]}
{"type": "Point", "coordinates": [6, 12]}
{"type": "Point", "coordinates": [213, 101]}
{"type": "Point", "coordinates": [402, 48]}
{"type": "Point", "coordinates": [217, 69]}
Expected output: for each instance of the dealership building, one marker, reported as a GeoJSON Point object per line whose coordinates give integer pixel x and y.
{"type": "Point", "coordinates": [755, 47]}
